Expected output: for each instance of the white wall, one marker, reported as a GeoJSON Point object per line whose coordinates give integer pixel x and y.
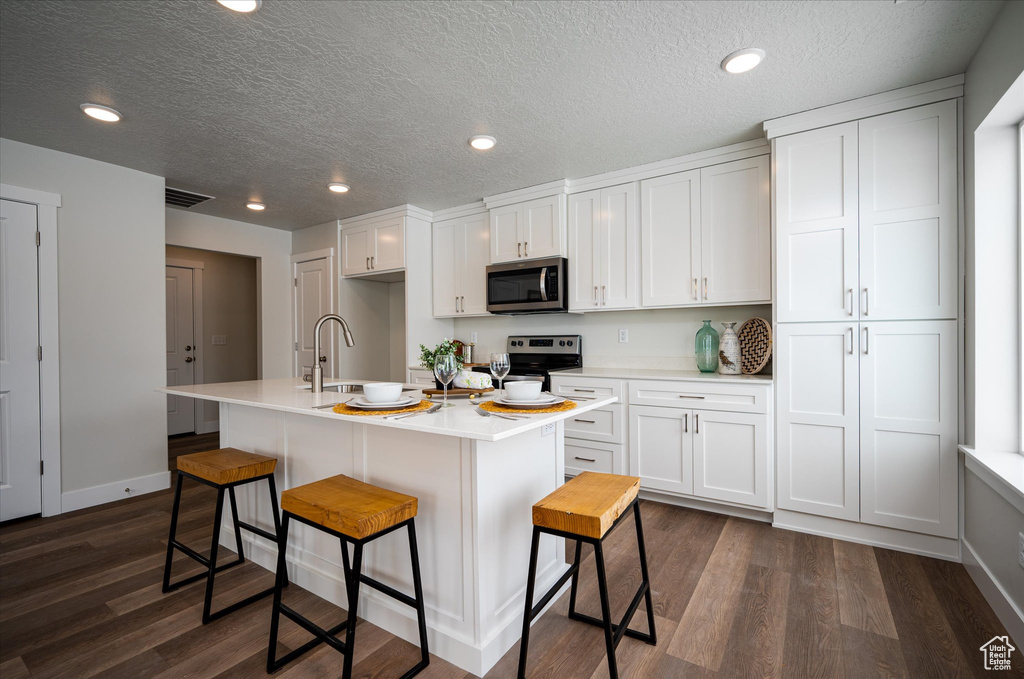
{"type": "Point", "coordinates": [273, 249]}
{"type": "Point", "coordinates": [396, 356]}
{"type": "Point", "coordinates": [111, 296]}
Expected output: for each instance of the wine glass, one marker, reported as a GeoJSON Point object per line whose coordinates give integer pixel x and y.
{"type": "Point", "coordinates": [445, 367]}
{"type": "Point", "coordinates": [499, 368]}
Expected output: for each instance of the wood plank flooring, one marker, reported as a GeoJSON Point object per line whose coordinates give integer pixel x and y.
{"type": "Point", "coordinates": [80, 597]}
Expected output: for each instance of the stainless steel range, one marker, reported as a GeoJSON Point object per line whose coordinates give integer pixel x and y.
{"type": "Point", "coordinates": [537, 356]}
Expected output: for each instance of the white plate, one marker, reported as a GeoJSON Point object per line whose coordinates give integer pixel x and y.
{"type": "Point", "coordinates": [361, 403]}
{"type": "Point", "coordinates": [530, 405]}
{"type": "Point", "coordinates": [543, 398]}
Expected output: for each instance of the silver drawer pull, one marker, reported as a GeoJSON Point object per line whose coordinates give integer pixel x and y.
{"type": "Point", "coordinates": [686, 396]}
{"type": "Point", "coordinates": [585, 459]}
{"type": "Point", "coordinates": [585, 391]}
{"type": "Point", "coordinates": [585, 421]}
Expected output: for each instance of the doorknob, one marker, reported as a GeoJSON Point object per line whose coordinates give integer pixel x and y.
{"type": "Point", "coordinates": [189, 359]}
{"type": "Point", "coordinates": [188, 347]}
{"type": "Point", "coordinates": [323, 359]}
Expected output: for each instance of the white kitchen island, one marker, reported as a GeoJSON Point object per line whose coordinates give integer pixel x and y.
{"type": "Point", "coordinates": [476, 479]}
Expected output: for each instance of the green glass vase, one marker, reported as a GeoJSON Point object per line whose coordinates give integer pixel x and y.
{"type": "Point", "coordinates": [706, 348]}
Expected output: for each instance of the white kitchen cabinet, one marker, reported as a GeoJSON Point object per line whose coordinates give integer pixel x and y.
{"type": "Point", "coordinates": [908, 426]}
{"type": "Point", "coordinates": [818, 455]}
{"type": "Point", "coordinates": [460, 256]}
{"type": "Point", "coordinates": [592, 456]}
{"type": "Point", "coordinates": [602, 235]}
{"type": "Point", "coordinates": [661, 448]}
{"type": "Point", "coordinates": [356, 245]}
{"type": "Point", "coordinates": [421, 377]}
{"type": "Point", "coordinates": [730, 457]}
{"type": "Point", "coordinates": [735, 232]}
{"type": "Point", "coordinates": [908, 214]}
{"type": "Point", "coordinates": [374, 248]}
{"type": "Point", "coordinates": [670, 239]}
{"type": "Point", "coordinates": [816, 221]}
{"type": "Point", "coordinates": [529, 230]}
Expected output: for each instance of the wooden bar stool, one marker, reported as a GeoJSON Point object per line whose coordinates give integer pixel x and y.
{"type": "Point", "coordinates": [586, 509]}
{"type": "Point", "coordinates": [222, 469]}
{"type": "Point", "coordinates": [357, 513]}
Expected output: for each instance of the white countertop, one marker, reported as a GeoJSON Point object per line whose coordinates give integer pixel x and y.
{"type": "Point", "coordinates": [644, 374]}
{"type": "Point", "coordinates": [462, 421]}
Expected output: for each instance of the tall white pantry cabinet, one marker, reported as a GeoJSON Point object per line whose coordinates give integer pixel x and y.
{"type": "Point", "coordinates": [866, 308]}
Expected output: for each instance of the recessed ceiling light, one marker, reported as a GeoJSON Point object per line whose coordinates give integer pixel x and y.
{"type": "Point", "coordinates": [242, 5]}
{"type": "Point", "coordinates": [256, 206]}
{"type": "Point", "coordinates": [338, 188]}
{"type": "Point", "coordinates": [743, 60]}
{"type": "Point", "coordinates": [104, 113]}
{"type": "Point", "coordinates": [482, 142]}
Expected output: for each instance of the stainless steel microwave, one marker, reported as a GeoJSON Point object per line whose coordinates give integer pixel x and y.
{"type": "Point", "coordinates": [538, 286]}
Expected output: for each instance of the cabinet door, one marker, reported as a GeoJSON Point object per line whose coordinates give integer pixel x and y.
{"type": "Point", "coordinates": [589, 456]}
{"type": "Point", "coordinates": [544, 227]}
{"type": "Point", "coordinates": [661, 448]}
{"type": "Point", "coordinates": [817, 459]}
{"type": "Point", "coordinates": [670, 239]}
{"type": "Point", "coordinates": [506, 233]}
{"type": "Point", "coordinates": [617, 247]}
{"type": "Point", "coordinates": [730, 457]}
{"type": "Point", "coordinates": [816, 224]}
{"type": "Point", "coordinates": [908, 435]}
{"type": "Point", "coordinates": [735, 228]}
{"type": "Point", "coordinates": [388, 245]}
{"type": "Point", "coordinates": [476, 235]}
{"type": "Point", "coordinates": [447, 256]}
{"type": "Point", "coordinates": [355, 251]}
{"type": "Point", "coordinates": [584, 252]}
{"type": "Point", "coordinates": [908, 214]}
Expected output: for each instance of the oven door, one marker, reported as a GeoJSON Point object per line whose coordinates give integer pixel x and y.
{"type": "Point", "coordinates": [537, 286]}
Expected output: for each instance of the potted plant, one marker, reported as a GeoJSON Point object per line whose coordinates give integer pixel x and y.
{"type": "Point", "coordinates": [447, 346]}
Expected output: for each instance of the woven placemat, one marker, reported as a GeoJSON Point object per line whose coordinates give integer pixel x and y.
{"type": "Point", "coordinates": [345, 409]}
{"type": "Point", "coordinates": [493, 407]}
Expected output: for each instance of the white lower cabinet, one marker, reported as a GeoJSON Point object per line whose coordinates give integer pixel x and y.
{"type": "Point", "coordinates": [424, 377]}
{"type": "Point", "coordinates": [592, 456]}
{"type": "Point", "coordinates": [730, 457]}
{"type": "Point", "coordinates": [661, 448]}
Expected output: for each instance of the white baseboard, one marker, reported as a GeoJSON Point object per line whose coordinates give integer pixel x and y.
{"type": "Point", "coordinates": [110, 492]}
{"type": "Point", "coordinates": [1005, 609]}
{"type": "Point", "coordinates": [713, 507]}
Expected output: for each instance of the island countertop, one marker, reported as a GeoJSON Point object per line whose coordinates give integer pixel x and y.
{"type": "Point", "coordinates": [293, 395]}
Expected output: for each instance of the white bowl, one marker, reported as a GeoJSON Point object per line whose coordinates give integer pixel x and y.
{"type": "Point", "coordinates": [523, 390]}
{"type": "Point", "coordinates": [382, 392]}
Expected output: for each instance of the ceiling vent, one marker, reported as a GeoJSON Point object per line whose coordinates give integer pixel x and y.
{"type": "Point", "coordinates": [183, 199]}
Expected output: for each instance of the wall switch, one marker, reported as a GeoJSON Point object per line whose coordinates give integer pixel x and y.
{"type": "Point", "coordinates": [1020, 549]}
{"type": "Point", "coordinates": [623, 335]}
{"type": "Point", "coordinates": [219, 340]}
{"type": "Point", "coordinates": [472, 337]}
{"type": "Point", "coordinates": [548, 429]}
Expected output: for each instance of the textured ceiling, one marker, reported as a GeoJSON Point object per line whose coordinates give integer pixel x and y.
{"type": "Point", "coordinates": [384, 95]}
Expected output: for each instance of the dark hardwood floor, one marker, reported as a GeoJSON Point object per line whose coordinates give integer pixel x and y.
{"type": "Point", "coordinates": [80, 597]}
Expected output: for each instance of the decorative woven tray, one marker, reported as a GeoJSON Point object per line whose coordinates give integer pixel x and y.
{"type": "Point", "coordinates": [755, 338]}
{"type": "Point", "coordinates": [344, 409]}
{"type": "Point", "coordinates": [493, 407]}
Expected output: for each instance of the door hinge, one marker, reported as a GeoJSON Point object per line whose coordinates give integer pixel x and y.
{"type": "Point", "coordinates": [39, 239]}
{"type": "Point", "coordinates": [39, 353]}
{"type": "Point", "coordinates": [40, 467]}
{"type": "Point", "coordinates": [296, 280]}
{"type": "Point", "coordinates": [296, 346]}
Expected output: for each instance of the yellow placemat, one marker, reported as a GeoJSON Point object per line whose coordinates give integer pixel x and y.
{"type": "Point", "coordinates": [498, 408]}
{"type": "Point", "coordinates": [345, 409]}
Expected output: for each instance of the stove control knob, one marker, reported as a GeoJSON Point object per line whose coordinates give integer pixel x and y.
{"type": "Point", "coordinates": [561, 343]}
{"type": "Point", "coordinates": [570, 343]}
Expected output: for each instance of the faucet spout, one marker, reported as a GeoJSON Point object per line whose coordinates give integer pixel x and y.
{"type": "Point", "coordinates": [318, 371]}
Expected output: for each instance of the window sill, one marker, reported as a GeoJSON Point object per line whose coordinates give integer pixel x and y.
{"type": "Point", "coordinates": [1003, 471]}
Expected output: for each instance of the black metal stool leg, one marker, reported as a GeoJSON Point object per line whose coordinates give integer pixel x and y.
{"type": "Point", "coordinates": [352, 584]}
{"type": "Point", "coordinates": [606, 613]}
{"type": "Point", "coordinates": [575, 579]}
{"type": "Point", "coordinates": [277, 515]}
{"type": "Point", "coordinates": [238, 527]}
{"type": "Point", "coordinates": [648, 598]}
{"type": "Point", "coordinates": [172, 535]}
{"type": "Point", "coordinates": [531, 578]}
{"type": "Point", "coordinates": [217, 517]}
{"type": "Point", "coordinates": [421, 613]}
{"type": "Point", "coordinates": [275, 611]}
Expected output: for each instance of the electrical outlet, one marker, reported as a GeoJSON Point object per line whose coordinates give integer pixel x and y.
{"type": "Point", "coordinates": [623, 335]}
{"type": "Point", "coordinates": [219, 340]}
{"type": "Point", "coordinates": [548, 429]}
{"type": "Point", "coordinates": [472, 337]}
{"type": "Point", "coordinates": [1020, 549]}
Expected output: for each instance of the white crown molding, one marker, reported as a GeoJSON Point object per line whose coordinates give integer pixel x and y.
{"type": "Point", "coordinates": [398, 211]}
{"type": "Point", "coordinates": [460, 211]}
{"type": "Point", "coordinates": [529, 193]}
{"type": "Point", "coordinates": [865, 107]}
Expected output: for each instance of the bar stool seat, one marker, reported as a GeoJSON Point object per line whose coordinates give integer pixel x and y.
{"type": "Point", "coordinates": [356, 513]}
{"type": "Point", "coordinates": [226, 465]}
{"type": "Point", "coordinates": [586, 509]}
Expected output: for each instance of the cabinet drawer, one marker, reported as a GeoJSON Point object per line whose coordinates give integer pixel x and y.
{"type": "Point", "coordinates": [584, 388]}
{"type": "Point", "coordinates": [587, 456]}
{"type": "Point", "coordinates": [738, 398]}
{"type": "Point", "coordinates": [421, 377]}
{"type": "Point", "coordinates": [603, 424]}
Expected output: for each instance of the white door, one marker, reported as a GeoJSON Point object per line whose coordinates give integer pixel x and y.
{"type": "Point", "coordinates": [473, 273]}
{"type": "Point", "coordinates": [617, 247]}
{"type": "Point", "coordinates": [908, 422]}
{"type": "Point", "coordinates": [543, 226]}
{"type": "Point", "coordinates": [388, 247]}
{"type": "Point", "coordinates": [20, 492]}
{"type": "Point", "coordinates": [670, 239]}
{"type": "Point", "coordinates": [447, 257]}
{"type": "Point", "coordinates": [506, 233]}
{"type": "Point", "coordinates": [313, 299]}
{"type": "Point", "coordinates": [735, 232]}
{"type": "Point", "coordinates": [355, 250]}
{"type": "Point", "coordinates": [908, 214]}
{"type": "Point", "coordinates": [584, 251]}
{"type": "Point", "coordinates": [661, 448]}
{"type": "Point", "coordinates": [816, 223]}
{"type": "Point", "coordinates": [181, 356]}
{"type": "Point", "coordinates": [818, 458]}
{"type": "Point", "coordinates": [730, 457]}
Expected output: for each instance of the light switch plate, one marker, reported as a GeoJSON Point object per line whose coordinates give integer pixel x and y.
{"type": "Point", "coordinates": [548, 429]}
{"type": "Point", "coordinates": [472, 337]}
{"type": "Point", "coordinates": [623, 335]}
{"type": "Point", "coordinates": [219, 340]}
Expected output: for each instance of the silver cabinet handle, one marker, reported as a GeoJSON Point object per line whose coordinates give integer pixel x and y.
{"type": "Point", "coordinates": [373, 262]}
{"type": "Point", "coordinates": [705, 288]}
{"type": "Point", "coordinates": [604, 294]}
{"type": "Point", "coordinates": [865, 340]}
{"type": "Point", "coordinates": [851, 340]}
{"type": "Point", "coordinates": [456, 304]}
{"type": "Point", "coordinates": [865, 301]}
{"type": "Point", "coordinates": [519, 249]}
{"type": "Point", "coordinates": [585, 421]}
{"type": "Point", "coordinates": [849, 293]}
{"type": "Point", "coordinates": [696, 423]}
{"type": "Point", "coordinates": [585, 391]}
{"type": "Point", "coordinates": [595, 296]}
{"type": "Point", "coordinates": [687, 396]}
{"type": "Point", "coordinates": [367, 263]}
{"type": "Point", "coordinates": [686, 422]}
{"type": "Point", "coordinates": [694, 288]}
{"type": "Point", "coordinates": [463, 299]}
{"type": "Point", "coordinates": [585, 459]}
{"type": "Point", "coordinates": [526, 248]}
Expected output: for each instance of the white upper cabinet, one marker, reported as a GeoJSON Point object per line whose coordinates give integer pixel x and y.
{"type": "Point", "coordinates": [602, 235]}
{"type": "Point", "coordinates": [356, 245]}
{"type": "Point", "coordinates": [816, 222]}
{"type": "Point", "coordinates": [736, 232]}
{"type": "Point", "coordinates": [461, 248]}
{"type": "Point", "coordinates": [377, 247]}
{"type": "Point", "coordinates": [670, 237]}
{"type": "Point", "coordinates": [530, 230]}
{"type": "Point", "coordinates": [908, 214]}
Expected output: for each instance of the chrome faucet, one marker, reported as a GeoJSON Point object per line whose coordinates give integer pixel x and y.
{"type": "Point", "coordinates": [318, 371]}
